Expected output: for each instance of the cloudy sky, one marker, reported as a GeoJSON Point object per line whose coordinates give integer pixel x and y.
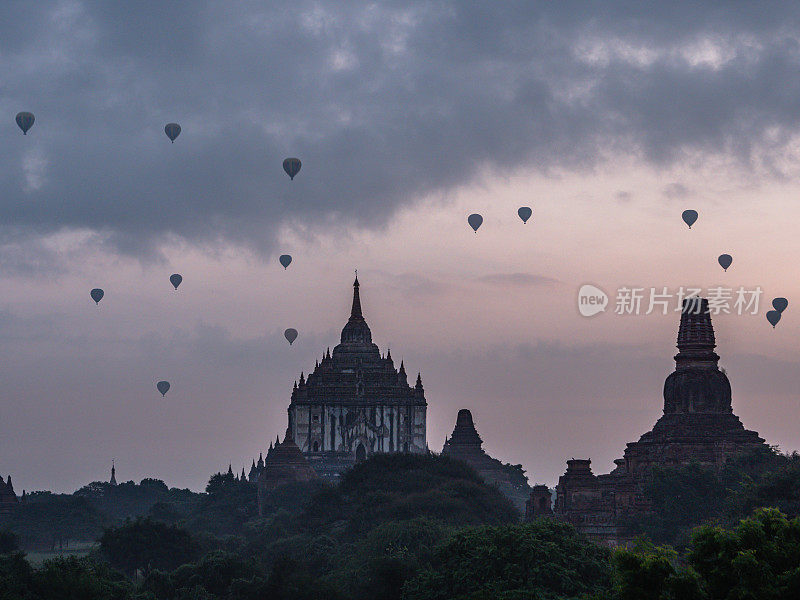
{"type": "Point", "coordinates": [608, 119]}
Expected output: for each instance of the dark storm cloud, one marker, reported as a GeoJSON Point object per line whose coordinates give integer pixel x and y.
{"type": "Point", "coordinates": [381, 102]}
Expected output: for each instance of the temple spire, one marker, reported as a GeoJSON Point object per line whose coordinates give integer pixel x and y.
{"type": "Point", "coordinates": [464, 433]}
{"type": "Point", "coordinates": [113, 480]}
{"type": "Point", "coordinates": [355, 312]}
{"type": "Point", "coordinates": [696, 340]}
{"type": "Point", "coordinates": [356, 330]}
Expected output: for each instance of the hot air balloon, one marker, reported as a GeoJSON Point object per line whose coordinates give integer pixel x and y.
{"type": "Point", "coordinates": [773, 316]}
{"type": "Point", "coordinates": [475, 221]}
{"type": "Point", "coordinates": [285, 260]}
{"type": "Point", "coordinates": [689, 217]}
{"type": "Point", "coordinates": [291, 335]}
{"type": "Point", "coordinates": [97, 295]}
{"type": "Point", "coordinates": [725, 261]}
{"type": "Point", "coordinates": [25, 121]}
{"type": "Point", "coordinates": [163, 387]}
{"type": "Point", "coordinates": [175, 279]}
{"type": "Point", "coordinates": [780, 304]}
{"type": "Point", "coordinates": [524, 213]}
{"type": "Point", "coordinates": [292, 166]}
{"type": "Point", "coordinates": [173, 130]}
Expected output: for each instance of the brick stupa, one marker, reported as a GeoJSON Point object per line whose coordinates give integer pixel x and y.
{"type": "Point", "coordinates": [697, 425]}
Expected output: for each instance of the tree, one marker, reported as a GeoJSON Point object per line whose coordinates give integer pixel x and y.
{"type": "Point", "coordinates": [226, 507]}
{"type": "Point", "coordinates": [8, 542]}
{"type": "Point", "coordinates": [145, 544]}
{"type": "Point", "coordinates": [760, 558]}
{"type": "Point", "coordinates": [48, 520]}
{"type": "Point", "coordinates": [545, 559]}
{"type": "Point", "coordinates": [648, 572]}
{"type": "Point", "coordinates": [16, 577]}
{"type": "Point", "coordinates": [68, 578]}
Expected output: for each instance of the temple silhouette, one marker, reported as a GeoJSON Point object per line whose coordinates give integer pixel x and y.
{"type": "Point", "coordinates": [8, 498]}
{"type": "Point", "coordinates": [698, 425]}
{"type": "Point", "coordinates": [354, 403]}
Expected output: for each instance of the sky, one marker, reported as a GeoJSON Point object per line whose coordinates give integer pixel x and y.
{"type": "Point", "coordinates": [607, 119]}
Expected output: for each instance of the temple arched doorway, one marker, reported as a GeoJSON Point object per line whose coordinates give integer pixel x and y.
{"type": "Point", "coordinates": [361, 452]}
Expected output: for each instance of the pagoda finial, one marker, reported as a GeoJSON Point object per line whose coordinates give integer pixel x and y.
{"type": "Point", "coordinates": [696, 340]}
{"type": "Point", "coordinates": [230, 469]}
{"type": "Point", "coordinates": [419, 381]}
{"type": "Point", "coordinates": [355, 311]}
{"type": "Point", "coordinates": [388, 354]}
{"type": "Point", "coordinates": [402, 367]}
{"type": "Point", "coordinates": [113, 480]}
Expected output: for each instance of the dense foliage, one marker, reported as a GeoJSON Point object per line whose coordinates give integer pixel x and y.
{"type": "Point", "coordinates": [409, 527]}
{"type": "Point", "coordinates": [687, 496]}
{"type": "Point", "coordinates": [46, 521]}
{"type": "Point", "coordinates": [8, 542]}
{"type": "Point", "coordinates": [759, 559]}
{"type": "Point", "coordinates": [145, 544]}
{"type": "Point", "coordinates": [61, 579]}
{"type": "Point", "coordinates": [545, 559]}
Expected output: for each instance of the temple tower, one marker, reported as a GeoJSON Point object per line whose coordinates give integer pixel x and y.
{"type": "Point", "coordinates": [697, 425]}
{"type": "Point", "coordinates": [466, 445]}
{"type": "Point", "coordinates": [284, 464]}
{"type": "Point", "coordinates": [355, 403]}
{"type": "Point", "coordinates": [8, 498]}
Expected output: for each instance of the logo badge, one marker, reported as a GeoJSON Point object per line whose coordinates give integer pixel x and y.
{"type": "Point", "coordinates": [591, 300]}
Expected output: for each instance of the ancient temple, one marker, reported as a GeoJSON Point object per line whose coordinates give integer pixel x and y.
{"type": "Point", "coordinates": [466, 445]}
{"type": "Point", "coordinates": [697, 425]}
{"type": "Point", "coordinates": [8, 498]}
{"type": "Point", "coordinates": [284, 464]}
{"type": "Point", "coordinates": [355, 403]}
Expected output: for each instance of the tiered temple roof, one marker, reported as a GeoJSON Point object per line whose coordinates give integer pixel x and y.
{"type": "Point", "coordinates": [286, 463]}
{"type": "Point", "coordinates": [697, 425]}
{"type": "Point", "coordinates": [356, 373]}
{"type": "Point", "coordinates": [466, 445]}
